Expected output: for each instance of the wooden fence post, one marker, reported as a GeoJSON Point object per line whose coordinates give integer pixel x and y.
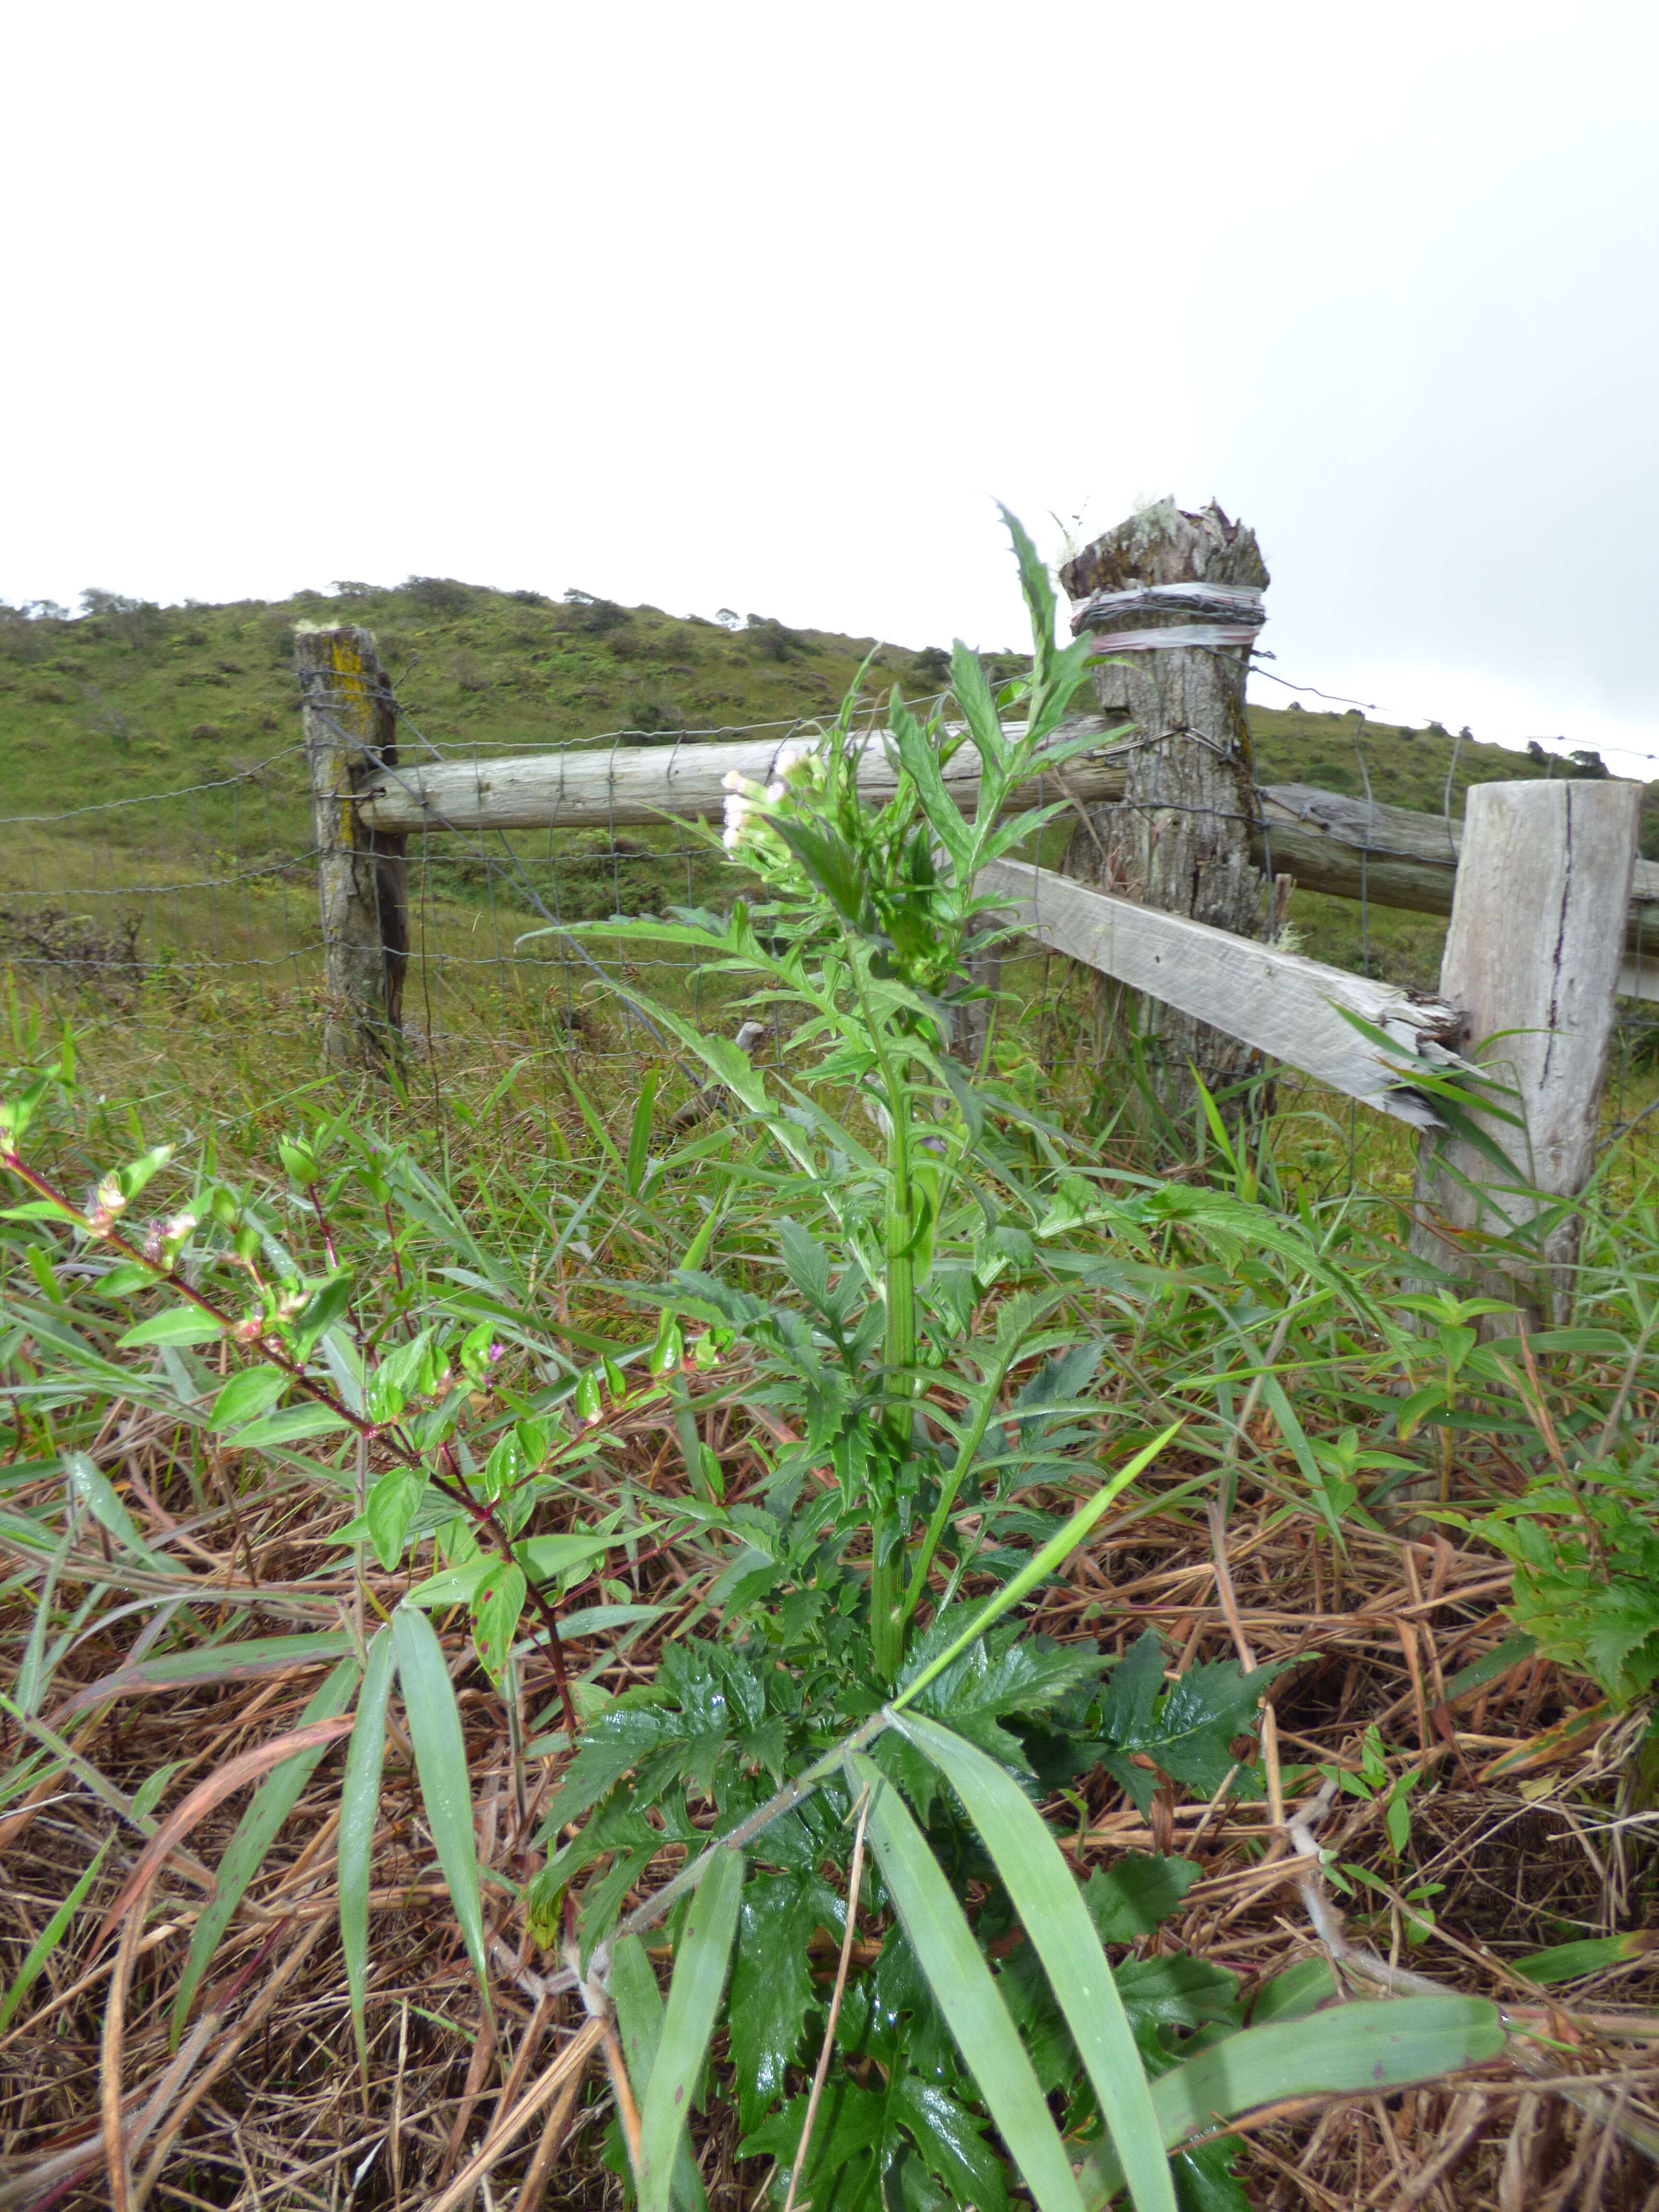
{"type": "Point", "coordinates": [1532, 957]}
{"type": "Point", "coordinates": [1179, 596]}
{"type": "Point", "coordinates": [351, 737]}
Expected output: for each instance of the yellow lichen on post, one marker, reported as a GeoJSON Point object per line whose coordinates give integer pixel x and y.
{"type": "Point", "coordinates": [350, 733]}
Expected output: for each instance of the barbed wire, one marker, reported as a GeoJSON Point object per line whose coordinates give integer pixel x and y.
{"type": "Point", "coordinates": [468, 984]}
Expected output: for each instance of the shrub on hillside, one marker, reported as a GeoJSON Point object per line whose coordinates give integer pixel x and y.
{"type": "Point", "coordinates": [587, 611]}
{"type": "Point", "coordinates": [438, 595]}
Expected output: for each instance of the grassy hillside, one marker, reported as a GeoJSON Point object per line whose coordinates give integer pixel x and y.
{"type": "Point", "coordinates": [130, 700]}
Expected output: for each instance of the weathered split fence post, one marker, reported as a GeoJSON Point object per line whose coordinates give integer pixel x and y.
{"type": "Point", "coordinates": [1533, 957]}
{"type": "Point", "coordinates": [351, 738]}
{"type": "Point", "coordinates": [1179, 597]}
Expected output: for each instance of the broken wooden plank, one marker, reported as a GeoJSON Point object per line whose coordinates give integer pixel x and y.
{"type": "Point", "coordinates": [1283, 1006]}
{"type": "Point", "coordinates": [1533, 958]}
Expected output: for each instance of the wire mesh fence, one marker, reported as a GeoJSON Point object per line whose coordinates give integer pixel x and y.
{"type": "Point", "coordinates": [173, 917]}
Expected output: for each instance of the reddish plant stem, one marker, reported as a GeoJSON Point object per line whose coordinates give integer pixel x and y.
{"type": "Point", "coordinates": [391, 1233]}
{"type": "Point", "coordinates": [314, 1191]}
{"type": "Point", "coordinates": [481, 1512]}
{"type": "Point", "coordinates": [538, 1597]}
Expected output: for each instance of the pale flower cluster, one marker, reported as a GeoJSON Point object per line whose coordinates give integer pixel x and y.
{"type": "Point", "coordinates": [746, 798]}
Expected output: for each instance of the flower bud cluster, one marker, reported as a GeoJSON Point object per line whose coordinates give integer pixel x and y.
{"type": "Point", "coordinates": [794, 769]}
{"type": "Point", "coordinates": [108, 1205]}
{"type": "Point", "coordinates": [163, 1240]}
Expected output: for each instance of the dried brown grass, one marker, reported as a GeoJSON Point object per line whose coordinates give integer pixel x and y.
{"type": "Point", "coordinates": [267, 2108]}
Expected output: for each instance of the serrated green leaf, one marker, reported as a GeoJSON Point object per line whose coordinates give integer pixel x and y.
{"type": "Point", "coordinates": [273, 1800]}
{"type": "Point", "coordinates": [1045, 1895]}
{"type": "Point", "coordinates": [1187, 1730]}
{"type": "Point", "coordinates": [1133, 1895]}
{"type": "Point", "coordinates": [1205, 2180]}
{"type": "Point", "coordinates": [852, 2134]}
{"type": "Point", "coordinates": [694, 1998]}
{"type": "Point", "coordinates": [967, 1994]}
{"type": "Point", "coordinates": [830, 864]}
{"type": "Point", "coordinates": [980, 1689]}
{"type": "Point", "coordinates": [360, 1808]}
{"type": "Point", "coordinates": [949, 2139]}
{"type": "Point", "coordinates": [434, 1729]}
{"type": "Point", "coordinates": [612, 1742]}
{"type": "Point", "coordinates": [1178, 1991]}
{"type": "Point", "coordinates": [771, 1989]}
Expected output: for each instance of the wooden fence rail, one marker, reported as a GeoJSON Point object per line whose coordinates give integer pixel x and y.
{"type": "Point", "coordinates": [1326, 842]}
{"type": "Point", "coordinates": [1553, 916]}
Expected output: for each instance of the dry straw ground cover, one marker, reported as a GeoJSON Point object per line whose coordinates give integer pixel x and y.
{"type": "Point", "coordinates": [579, 1643]}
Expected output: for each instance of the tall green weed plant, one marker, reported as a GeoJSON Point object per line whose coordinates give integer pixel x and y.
{"type": "Point", "coordinates": [913, 1281]}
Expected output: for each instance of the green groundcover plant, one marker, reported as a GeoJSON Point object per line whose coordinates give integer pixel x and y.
{"type": "Point", "coordinates": [867, 1737]}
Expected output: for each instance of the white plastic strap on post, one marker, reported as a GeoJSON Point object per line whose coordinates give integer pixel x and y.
{"type": "Point", "coordinates": [1176, 639]}
{"type": "Point", "coordinates": [1239, 607]}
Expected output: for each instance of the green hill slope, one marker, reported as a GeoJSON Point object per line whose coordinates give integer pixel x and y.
{"type": "Point", "coordinates": [130, 700]}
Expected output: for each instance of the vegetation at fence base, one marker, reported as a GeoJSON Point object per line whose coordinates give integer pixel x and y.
{"type": "Point", "coordinates": [902, 1603]}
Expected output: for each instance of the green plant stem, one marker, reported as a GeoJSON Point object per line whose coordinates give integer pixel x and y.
{"type": "Point", "coordinates": [887, 1610]}
{"type": "Point", "coordinates": [949, 1487]}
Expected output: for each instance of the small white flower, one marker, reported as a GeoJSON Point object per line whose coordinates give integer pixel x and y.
{"type": "Point", "coordinates": [731, 780]}
{"type": "Point", "coordinates": [789, 759]}
{"type": "Point", "coordinates": [775, 791]}
{"type": "Point", "coordinates": [737, 808]}
{"type": "Point", "coordinates": [731, 840]}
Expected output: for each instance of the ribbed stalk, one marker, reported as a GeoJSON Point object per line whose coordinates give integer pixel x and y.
{"type": "Point", "coordinates": [887, 1578]}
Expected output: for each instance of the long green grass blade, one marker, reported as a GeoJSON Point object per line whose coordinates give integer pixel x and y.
{"type": "Point", "coordinates": [967, 1995]}
{"type": "Point", "coordinates": [1038, 1568]}
{"type": "Point", "coordinates": [1045, 1896]}
{"type": "Point", "coordinates": [1350, 2048]}
{"type": "Point", "coordinates": [49, 1938]}
{"type": "Point", "coordinates": [33, 1673]}
{"type": "Point", "coordinates": [359, 1806]}
{"type": "Point", "coordinates": [693, 1998]}
{"type": "Point", "coordinates": [434, 1729]}
{"type": "Point", "coordinates": [93, 1488]}
{"type": "Point", "coordinates": [273, 1800]}
{"type": "Point", "coordinates": [639, 2024]}
{"type": "Point", "coordinates": [1593, 1954]}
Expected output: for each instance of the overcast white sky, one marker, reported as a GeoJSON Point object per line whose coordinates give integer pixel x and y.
{"type": "Point", "coordinates": [764, 306]}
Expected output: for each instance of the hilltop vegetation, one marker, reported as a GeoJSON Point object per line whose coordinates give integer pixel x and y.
{"type": "Point", "coordinates": [127, 698]}
{"type": "Point", "coordinates": [160, 694]}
